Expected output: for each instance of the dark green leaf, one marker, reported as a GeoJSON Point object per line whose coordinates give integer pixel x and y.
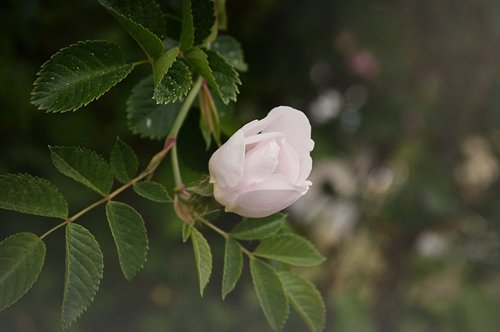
{"type": "Point", "coordinates": [226, 78]}
{"type": "Point", "coordinates": [127, 227]}
{"type": "Point", "coordinates": [21, 259]}
{"type": "Point", "coordinates": [27, 194]}
{"type": "Point", "coordinates": [174, 85]}
{"type": "Point", "coordinates": [256, 229]}
{"type": "Point", "coordinates": [147, 118]}
{"type": "Point", "coordinates": [203, 257]}
{"type": "Point", "coordinates": [144, 21]}
{"type": "Point", "coordinates": [153, 191]}
{"type": "Point", "coordinates": [231, 50]}
{"type": "Point", "coordinates": [306, 300]}
{"type": "Point", "coordinates": [77, 75]}
{"type": "Point", "coordinates": [199, 60]}
{"type": "Point", "coordinates": [203, 19]}
{"type": "Point", "coordinates": [233, 264]}
{"type": "Point", "coordinates": [84, 166]}
{"type": "Point", "coordinates": [291, 249]}
{"type": "Point", "coordinates": [270, 293]}
{"type": "Point", "coordinates": [174, 26]}
{"type": "Point", "coordinates": [187, 31]}
{"type": "Point", "coordinates": [123, 161]}
{"type": "Point", "coordinates": [84, 267]}
{"type": "Point", "coordinates": [162, 64]}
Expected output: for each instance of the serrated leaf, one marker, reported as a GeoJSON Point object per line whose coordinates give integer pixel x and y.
{"type": "Point", "coordinates": [187, 32]}
{"type": "Point", "coordinates": [203, 258]}
{"type": "Point", "coordinates": [305, 299]}
{"type": "Point", "coordinates": [21, 259]}
{"type": "Point", "coordinates": [231, 50]}
{"type": "Point", "coordinates": [256, 229]}
{"type": "Point", "coordinates": [270, 293]}
{"type": "Point", "coordinates": [32, 195]}
{"type": "Point", "coordinates": [203, 19]}
{"type": "Point", "coordinates": [186, 231]}
{"type": "Point", "coordinates": [291, 249]}
{"type": "Point", "coordinates": [84, 166]}
{"type": "Point", "coordinates": [84, 267]}
{"type": "Point", "coordinates": [147, 118]}
{"type": "Point", "coordinates": [226, 78]}
{"type": "Point", "coordinates": [153, 191]}
{"type": "Point", "coordinates": [162, 64]}
{"type": "Point", "coordinates": [144, 21]}
{"type": "Point", "coordinates": [174, 85]}
{"type": "Point", "coordinates": [233, 264]}
{"type": "Point", "coordinates": [123, 161]}
{"type": "Point", "coordinates": [77, 75]}
{"type": "Point", "coordinates": [129, 232]}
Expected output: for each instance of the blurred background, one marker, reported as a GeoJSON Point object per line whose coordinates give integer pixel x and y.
{"type": "Point", "coordinates": [405, 105]}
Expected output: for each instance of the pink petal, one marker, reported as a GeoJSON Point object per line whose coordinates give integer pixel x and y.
{"type": "Point", "coordinates": [305, 168]}
{"type": "Point", "coordinates": [288, 162]}
{"type": "Point", "coordinates": [267, 197]}
{"type": "Point", "coordinates": [226, 164]}
{"type": "Point", "coordinates": [261, 161]}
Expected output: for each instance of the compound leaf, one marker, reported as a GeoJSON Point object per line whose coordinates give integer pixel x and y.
{"type": "Point", "coordinates": [153, 191]}
{"type": "Point", "coordinates": [233, 264]}
{"type": "Point", "coordinates": [203, 258]}
{"type": "Point", "coordinates": [123, 161]}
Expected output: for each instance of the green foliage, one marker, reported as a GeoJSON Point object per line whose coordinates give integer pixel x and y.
{"type": "Point", "coordinates": [144, 21]}
{"type": "Point", "coordinates": [77, 75]}
{"type": "Point", "coordinates": [186, 231]}
{"type": "Point", "coordinates": [305, 299]}
{"type": "Point", "coordinates": [257, 229]}
{"type": "Point", "coordinates": [84, 166]}
{"type": "Point", "coordinates": [270, 292]}
{"type": "Point", "coordinates": [174, 85]}
{"type": "Point", "coordinates": [218, 73]}
{"type": "Point", "coordinates": [21, 259]}
{"type": "Point", "coordinates": [84, 267]}
{"type": "Point", "coordinates": [187, 33]}
{"type": "Point", "coordinates": [233, 264]}
{"type": "Point", "coordinates": [162, 64]}
{"type": "Point", "coordinates": [129, 232]}
{"type": "Point", "coordinates": [221, 14]}
{"type": "Point", "coordinates": [203, 258]}
{"type": "Point", "coordinates": [147, 118]}
{"type": "Point", "coordinates": [291, 249]}
{"type": "Point", "coordinates": [153, 191]}
{"type": "Point", "coordinates": [123, 161]}
{"type": "Point", "coordinates": [32, 195]}
{"type": "Point", "coordinates": [209, 118]}
{"type": "Point", "coordinates": [231, 50]}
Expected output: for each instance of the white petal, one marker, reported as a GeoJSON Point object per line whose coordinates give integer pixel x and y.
{"type": "Point", "coordinates": [268, 197]}
{"type": "Point", "coordinates": [261, 162]}
{"type": "Point", "coordinates": [226, 164]}
{"type": "Point", "coordinates": [289, 165]}
{"type": "Point", "coordinates": [305, 168]}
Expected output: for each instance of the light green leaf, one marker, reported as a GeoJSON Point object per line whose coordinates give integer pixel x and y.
{"type": "Point", "coordinates": [127, 227]}
{"type": "Point", "coordinates": [199, 61]}
{"type": "Point", "coordinates": [187, 31]}
{"type": "Point", "coordinates": [233, 264]}
{"type": "Point", "coordinates": [144, 21]}
{"type": "Point", "coordinates": [231, 50]}
{"type": "Point", "coordinates": [153, 191]}
{"type": "Point", "coordinates": [162, 64]}
{"type": "Point", "coordinates": [147, 118]}
{"type": "Point", "coordinates": [84, 166]}
{"type": "Point", "coordinates": [291, 249]}
{"type": "Point", "coordinates": [226, 78]}
{"type": "Point", "coordinates": [270, 292]}
{"type": "Point", "coordinates": [123, 161]}
{"type": "Point", "coordinates": [77, 75]}
{"type": "Point", "coordinates": [174, 85]}
{"type": "Point", "coordinates": [256, 229]}
{"type": "Point", "coordinates": [305, 299]}
{"type": "Point", "coordinates": [203, 257]}
{"type": "Point", "coordinates": [84, 267]}
{"type": "Point", "coordinates": [21, 259]}
{"type": "Point", "coordinates": [203, 19]}
{"type": "Point", "coordinates": [186, 231]}
{"type": "Point", "coordinates": [32, 195]}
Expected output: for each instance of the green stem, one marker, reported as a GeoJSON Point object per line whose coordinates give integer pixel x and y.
{"type": "Point", "coordinates": [140, 62]}
{"type": "Point", "coordinates": [176, 169]}
{"type": "Point", "coordinates": [170, 143]}
{"type": "Point", "coordinates": [185, 109]}
{"type": "Point", "coordinates": [225, 235]}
